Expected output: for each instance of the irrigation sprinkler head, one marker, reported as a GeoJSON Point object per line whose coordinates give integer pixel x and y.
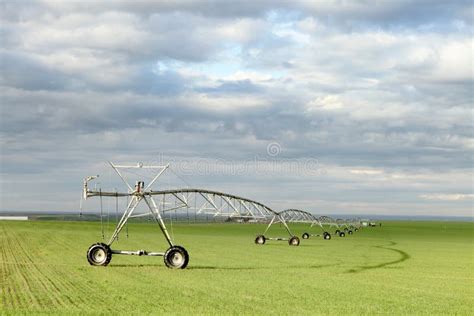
{"type": "Point", "coordinates": [86, 181]}
{"type": "Point", "coordinates": [92, 177]}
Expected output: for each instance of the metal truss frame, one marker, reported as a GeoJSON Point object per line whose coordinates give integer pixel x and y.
{"type": "Point", "coordinates": [294, 216]}
{"type": "Point", "coordinates": [163, 202]}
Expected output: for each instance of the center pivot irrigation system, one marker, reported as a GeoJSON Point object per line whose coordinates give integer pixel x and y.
{"type": "Point", "coordinates": [203, 203]}
{"type": "Point", "coordinates": [292, 216]}
{"type": "Point", "coordinates": [341, 226]}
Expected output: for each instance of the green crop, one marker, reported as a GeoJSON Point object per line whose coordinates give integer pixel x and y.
{"type": "Point", "coordinates": [399, 268]}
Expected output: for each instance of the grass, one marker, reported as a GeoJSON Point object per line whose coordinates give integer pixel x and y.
{"type": "Point", "coordinates": [400, 268]}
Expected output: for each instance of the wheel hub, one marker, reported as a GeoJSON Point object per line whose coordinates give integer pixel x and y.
{"type": "Point", "coordinates": [99, 255]}
{"type": "Point", "coordinates": [177, 258]}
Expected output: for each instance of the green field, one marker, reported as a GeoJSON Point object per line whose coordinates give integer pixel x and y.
{"type": "Point", "coordinates": [400, 268]}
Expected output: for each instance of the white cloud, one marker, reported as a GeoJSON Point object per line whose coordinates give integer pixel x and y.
{"type": "Point", "coordinates": [242, 31]}
{"type": "Point", "coordinates": [455, 61]}
{"type": "Point", "coordinates": [224, 103]}
{"type": "Point", "coordinates": [447, 197]}
{"type": "Point", "coordinates": [327, 102]}
{"type": "Point", "coordinates": [370, 172]}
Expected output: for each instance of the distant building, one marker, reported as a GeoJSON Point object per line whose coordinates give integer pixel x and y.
{"type": "Point", "coordinates": [13, 218]}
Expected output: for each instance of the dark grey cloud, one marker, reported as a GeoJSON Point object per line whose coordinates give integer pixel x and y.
{"type": "Point", "coordinates": [403, 12]}
{"type": "Point", "coordinates": [20, 70]}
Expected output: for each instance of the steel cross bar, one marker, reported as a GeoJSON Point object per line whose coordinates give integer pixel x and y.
{"type": "Point", "coordinates": [134, 201]}
{"type": "Point", "coordinates": [121, 176]}
{"type": "Point", "coordinates": [270, 224]}
{"type": "Point", "coordinates": [155, 210]}
{"type": "Point", "coordinates": [246, 207]}
{"type": "Point", "coordinates": [181, 200]}
{"type": "Point", "coordinates": [210, 201]}
{"type": "Point", "coordinates": [226, 199]}
{"type": "Point", "coordinates": [156, 177]}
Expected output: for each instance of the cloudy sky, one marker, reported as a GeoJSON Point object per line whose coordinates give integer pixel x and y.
{"type": "Point", "coordinates": [355, 107]}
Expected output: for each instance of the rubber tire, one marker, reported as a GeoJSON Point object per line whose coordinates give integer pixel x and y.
{"type": "Point", "coordinates": [168, 257]}
{"type": "Point", "coordinates": [341, 234]}
{"type": "Point", "coordinates": [294, 241]}
{"type": "Point", "coordinates": [350, 232]}
{"type": "Point", "coordinates": [305, 236]}
{"type": "Point", "coordinates": [260, 240]}
{"type": "Point", "coordinates": [327, 236]}
{"type": "Point", "coordinates": [337, 231]}
{"type": "Point", "coordinates": [357, 229]}
{"type": "Point", "coordinates": [346, 229]}
{"type": "Point", "coordinates": [92, 259]}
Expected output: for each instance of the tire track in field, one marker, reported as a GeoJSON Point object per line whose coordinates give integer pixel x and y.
{"type": "Point", "coordinates": [403, 257]}
{"type": "Point", "coordinates": [57, 283]}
